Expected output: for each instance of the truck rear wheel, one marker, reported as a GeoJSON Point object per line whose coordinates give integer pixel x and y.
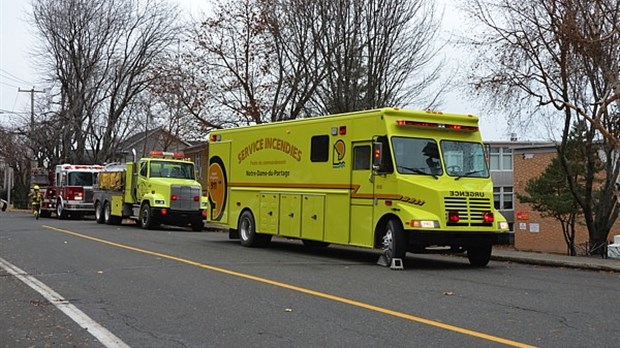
{"type": "Point", "coordinates": [99, 213]}
{"type": "Point", "coordinates": [394, 241]}
{"type": "Point", "coordinates": [247, 231]}
{"type": "Point", "coordinates": [479, 256]}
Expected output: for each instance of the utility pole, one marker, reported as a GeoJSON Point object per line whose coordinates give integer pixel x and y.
{"type": "Point", "coordinates": [32, 91]}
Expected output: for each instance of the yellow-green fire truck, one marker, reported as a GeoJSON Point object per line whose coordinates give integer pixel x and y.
{"type": "Point", "coordinates": [160, 189]}
{"type": "Point", "coordinates": [399, 180]}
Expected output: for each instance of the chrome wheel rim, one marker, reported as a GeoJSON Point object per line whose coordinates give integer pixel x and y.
{"type": "Point", "coordinates": [245, 229]}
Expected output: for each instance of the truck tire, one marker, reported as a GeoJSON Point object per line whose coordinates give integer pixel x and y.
{"type": "Point", "coordinates": [108, 218]}
{"type": "Point", "coordinates": [107, 213]}
{"type": "Point", "coordinates": [394, 241]}
{"type": "Point", "coordinates": [479, 256]}
{"type": "Point", "coordinates": [147, 221]}
{"type": "Point", "coordinates": [247, 231]}
{"type": "Point", "coordinates": [99, 213]}
{"type": "Point", "coordinates": [60, 212]}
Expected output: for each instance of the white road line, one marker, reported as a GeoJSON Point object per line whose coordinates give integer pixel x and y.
{"type": "Point", "coordinates": [104, 336]}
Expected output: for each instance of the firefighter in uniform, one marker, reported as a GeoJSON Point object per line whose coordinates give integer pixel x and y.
{"type": "Point", "coordinates": [36, 201]}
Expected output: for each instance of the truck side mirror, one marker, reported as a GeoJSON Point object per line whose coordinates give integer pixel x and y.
{"type": "Point", "coordinates": [377, 156]}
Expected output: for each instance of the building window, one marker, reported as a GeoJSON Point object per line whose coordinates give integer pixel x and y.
{"type": "Point", "coordinates": [503, 198]}
{"type": "Point", "coordinates": [500, 158]}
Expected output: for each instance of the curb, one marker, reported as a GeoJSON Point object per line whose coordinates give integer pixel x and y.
{"type": "Point", "coordinates": [556, 263]}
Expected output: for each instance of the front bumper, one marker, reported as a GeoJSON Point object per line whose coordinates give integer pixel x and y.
{"type": "Point", "coordinates": [176, 217]}
{"type": "Point", "coordinates": [457, 239]}
{"type": "Point", "coordinates": [82, 207]}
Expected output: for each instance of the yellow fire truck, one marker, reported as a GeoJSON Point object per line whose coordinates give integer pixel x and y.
{"type": "Point", "coordinates": [160, 189]}
{"type": "Point", "coordinates": [398, 180]}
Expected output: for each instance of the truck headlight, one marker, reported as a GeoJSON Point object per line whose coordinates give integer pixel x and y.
{"type": "Point", "coordinates": [424, 223]}
{"type": "Point", "coordinates": [160, 201]}
{"type": "Point", "coordinates": [503, 225]}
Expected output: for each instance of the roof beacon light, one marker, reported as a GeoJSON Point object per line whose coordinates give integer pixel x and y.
{"type": "Point", "coordinates": [167, 154]}
{"type": "Point", "coordinates": [456, 127]}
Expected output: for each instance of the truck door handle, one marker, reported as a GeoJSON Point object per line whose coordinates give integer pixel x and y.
{"type": "Point", "coordinates": [291, 215]}
{"type": "Point", "coordinates": [270, 213]}
{"type": "Point", "coordinates": [313, 217]}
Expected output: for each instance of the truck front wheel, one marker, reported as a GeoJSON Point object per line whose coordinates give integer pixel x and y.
{"type": "Point", "coordinates": [147, 220]}
{"type": "Point", "coordinates": [197, 225]}
{"type": "Point", "coordinates": [479, 256]}
{"type": "Point", "coordinates": [394, 242]}
{"type": "Point", "coordinates": [60, 212]}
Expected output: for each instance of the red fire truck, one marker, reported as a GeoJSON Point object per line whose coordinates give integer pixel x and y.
{"type": "Point", "coordinates": [70, 192]}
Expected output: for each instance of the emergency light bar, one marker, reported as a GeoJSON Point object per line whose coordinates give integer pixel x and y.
{"type": "Point", "coordinates": [167, 154]}
{"type": "Point", "coordinates": [81, 167]}
{"type": "Point", "coordinates": [456, 127]}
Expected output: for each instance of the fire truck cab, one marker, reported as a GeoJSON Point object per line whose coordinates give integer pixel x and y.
{"type": "Point", "coordinates": [71, 191]}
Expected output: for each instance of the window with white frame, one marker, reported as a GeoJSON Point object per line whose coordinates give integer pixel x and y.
{"type": "Point", "coordinates": [500, 158]}
{"type": "Point", "coordinates": [503, 198]}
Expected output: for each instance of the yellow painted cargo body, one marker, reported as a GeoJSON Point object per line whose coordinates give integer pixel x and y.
{"type": "Point", "coordinates": [313, 179]}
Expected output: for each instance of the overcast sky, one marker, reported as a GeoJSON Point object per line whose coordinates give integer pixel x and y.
{"type": "Point", "coordinates": [17, 65]}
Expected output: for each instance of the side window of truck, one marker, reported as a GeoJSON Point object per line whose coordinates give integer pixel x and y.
{"type": "Point", "coordinates": [361, 157]}
{"type": "Point", "coordinates": [319, 148]}
{"type": "Point", "coordinates": [143, 169]}
{"type": "Point", "coordinates": [386, 161]}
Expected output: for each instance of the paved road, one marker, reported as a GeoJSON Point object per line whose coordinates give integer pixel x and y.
{"type": "Point", "coordinates": [176, 288]}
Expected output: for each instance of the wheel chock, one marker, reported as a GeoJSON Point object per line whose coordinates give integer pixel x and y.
{"type": "Point", "coordinates": [397, 264]}
{"type": "Point", "coordinates": [382, 261]}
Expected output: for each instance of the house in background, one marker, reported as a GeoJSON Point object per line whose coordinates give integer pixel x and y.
{"type": "Point", "coordinates": [157, 139]}
{"type": "Point", "coordinates": [199, 154]}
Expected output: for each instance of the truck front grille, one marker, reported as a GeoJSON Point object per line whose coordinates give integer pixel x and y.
{"type": "Point", "coordinates": [185, 197]}
{"type": "Point", "coordinates": [470, 210]}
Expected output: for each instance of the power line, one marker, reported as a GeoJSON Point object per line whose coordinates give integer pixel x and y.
{"type": "Point", "coordinates": [12, 76]}
{"type": "Point", "coordinates": [8, 84]}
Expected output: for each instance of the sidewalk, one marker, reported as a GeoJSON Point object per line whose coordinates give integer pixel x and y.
{"type": "Point", "coordinates": [582, 262]}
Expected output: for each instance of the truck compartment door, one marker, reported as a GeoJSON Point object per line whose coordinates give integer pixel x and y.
{"type": "Point", "coordinates": [312, 216]}
{"type": "Point", "coordinates": [269, 213]}
{"type": "Point", "coordinates": [290, 215]}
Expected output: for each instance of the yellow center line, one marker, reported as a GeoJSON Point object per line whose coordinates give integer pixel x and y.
{"type": "Point", "coordinates": [305, 291]}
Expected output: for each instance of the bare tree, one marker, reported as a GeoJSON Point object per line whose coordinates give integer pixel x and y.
{"type": "Point", "coordinates": [562, 57]}
{"type": "Point", "coordinates": [100, 53]}
{"type": "Point", "coordinates": [379, 53]}
{"type": "Point", "coordinates": [263, 61]}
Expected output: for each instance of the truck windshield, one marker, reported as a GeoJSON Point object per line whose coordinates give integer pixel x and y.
{"type": "Point", "coordinates": [417, 156]}
{"type": "Point", "coordinates": [179, 170]}
{"type": "Point", "coordinates": [80, 179]}
{"type": "Point", "coordinates": [464, 159]}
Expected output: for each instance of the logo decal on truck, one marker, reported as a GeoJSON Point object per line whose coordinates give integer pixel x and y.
{"type": "Point", "coordinates": [217, 187]}
{"type": "Point", "coordinates": [338, 156]}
